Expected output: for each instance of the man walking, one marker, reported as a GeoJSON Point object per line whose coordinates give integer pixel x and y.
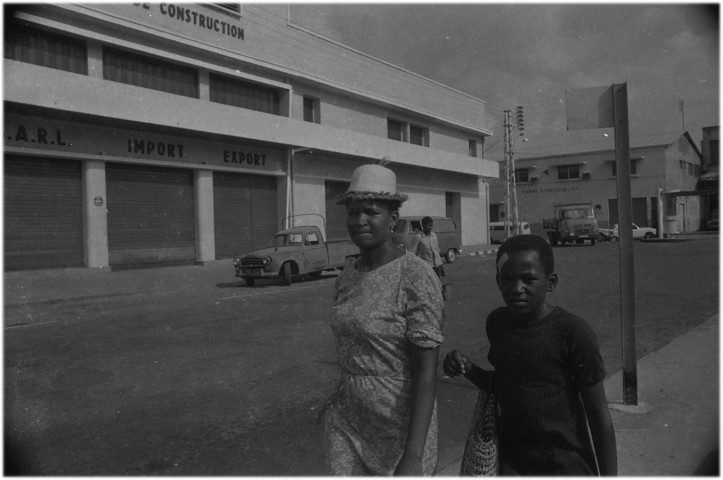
{"type": "Point", "coordinates": [428, 250]}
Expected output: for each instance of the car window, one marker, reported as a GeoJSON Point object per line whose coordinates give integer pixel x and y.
{"type": "Point", "coordinates": [312, 239]}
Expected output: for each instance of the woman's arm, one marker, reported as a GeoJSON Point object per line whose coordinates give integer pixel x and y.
{"type": "Point", "coordinates": [601, 428]}
{"type": "Point", "coordinates": [424, 391]}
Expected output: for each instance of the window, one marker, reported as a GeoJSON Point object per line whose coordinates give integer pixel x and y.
{"type": "Point", "coordinates": [229, 7]}
{"type": "Point", "coordinates": [312, 239]}
{"type": "Point", "coordinates": [568, 172]}
{"type": "Point", "coordinates": [522, 175]}
{"type": "Point", "coordinates": [472, 147]}
{"type": "Point", "coordinates": [418, 135]}
{"type": "Point", "coordinates": [633, 167]}
{"type": "Point", "coordinates": [133, 69]}
{"type": "Point", "coordinates": [30, 45]}
{"type": "Point", "coordinates": [714, 152]}
{"type": "Point", "coordinates": [311, 109]}
{"type": "Point", "coordinates": [395, 130]}
{"type": "Point", "coordinates": [239, 93]}
{"type": "Point", "coordinates": [403, 132]}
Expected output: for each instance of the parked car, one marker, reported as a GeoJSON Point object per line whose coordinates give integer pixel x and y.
{"type": "Point", "coordinates": [638, 232]}
{"type": "Point", "coordinates": [498, 230]}
{"type": "Point", "coordinates": [606, 234]}
{"type": "Point", "coordinates": [712, 223]}
{"type": "Point", "coordinates": [407, 234]}
{"type": "Point", "coordinates": [294, 251]}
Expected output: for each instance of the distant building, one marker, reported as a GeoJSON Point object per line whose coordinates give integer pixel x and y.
{"type": "Point", "coordinates": [154, 133]}
{"type": "Point", "coordinates": [710, 180]}
{"type": "Point", "coordinates": [662, 167]}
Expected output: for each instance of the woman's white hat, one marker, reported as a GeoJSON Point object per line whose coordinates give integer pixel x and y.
{"type": "Point", "coordinates": [372, 182]}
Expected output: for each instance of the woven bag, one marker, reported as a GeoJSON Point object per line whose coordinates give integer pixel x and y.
{"type": "Point", "coordinates": [481, 453]}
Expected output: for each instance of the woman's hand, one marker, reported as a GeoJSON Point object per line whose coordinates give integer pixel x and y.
{"type": "Point", "coordinates": [456, 364]}
{"type": "Point", "coordinates": [409, 467]}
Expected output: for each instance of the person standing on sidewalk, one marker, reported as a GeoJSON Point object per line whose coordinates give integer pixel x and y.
{"type": "Point", "coordinates": [428, 250]}
{"type": "Point", "coordinates": [548, 374]}
{"type": "Point", "coordinates": [388, 325]}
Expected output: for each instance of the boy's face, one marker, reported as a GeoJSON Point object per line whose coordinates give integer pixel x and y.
{"type": "Point", "coordinates": [427, 227]}
{"type": "Point", "coordinates": [524, 284]}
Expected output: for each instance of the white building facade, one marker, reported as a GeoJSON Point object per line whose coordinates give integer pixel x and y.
{"type": "Point", "coordinates": [662, 167]}
{"type": "Point", "coordinates": [152, 133]}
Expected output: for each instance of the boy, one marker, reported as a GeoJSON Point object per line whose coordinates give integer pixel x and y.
{"type": "Point", "coordinates": [548, 373]}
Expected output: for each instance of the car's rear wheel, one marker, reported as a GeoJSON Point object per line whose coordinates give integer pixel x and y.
{"type": "Point", "coordinates": [450, 255]}
{"type": "Point", "coordinates": [592, 241]}
{"type": "Point", "coordinates": [649, 235]}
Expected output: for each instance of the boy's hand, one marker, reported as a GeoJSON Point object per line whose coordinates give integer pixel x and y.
{"type": "Point", "coordinates": [456, 364]}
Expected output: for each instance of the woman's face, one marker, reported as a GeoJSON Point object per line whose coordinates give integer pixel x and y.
{"type": "Point", "coordinates": [370, 223]}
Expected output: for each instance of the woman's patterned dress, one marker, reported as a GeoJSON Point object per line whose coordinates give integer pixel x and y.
{"type": "Point", "coordinates": [375, 316]}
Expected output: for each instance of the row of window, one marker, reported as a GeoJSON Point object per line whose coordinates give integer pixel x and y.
{"type": "Point", "coordinates": [690, 168]}
{"type": "Point", "coordinates": [417, 135]}
{"type": "Point", "coordinates": [26, 44]}
{"type": "Point", "coordinates": [569, 172]}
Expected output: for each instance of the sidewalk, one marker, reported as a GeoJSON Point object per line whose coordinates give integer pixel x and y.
{"type": "Point", "coordinates": [674, 429]}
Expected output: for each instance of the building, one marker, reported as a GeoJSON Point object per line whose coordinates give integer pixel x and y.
{"type": "Point", "coordinates": [710, 180]}
{"type": "Point", "coordinates": [152, 133]}
{"type": "Point", "coordinates": [664, 173]}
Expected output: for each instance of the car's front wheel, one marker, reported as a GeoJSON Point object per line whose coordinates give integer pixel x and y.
{"type": "Point", "coordinates": [286, 272]}
{"type": "Point", "coordinates": [450, 255]}
{"type": "Point", "coordinates": [250, 281]}
{"type": "Point", "coordinates": [649, 235]}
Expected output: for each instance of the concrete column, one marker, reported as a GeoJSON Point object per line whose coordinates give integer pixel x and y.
{"type": "Point", "coordinates": [95, 214]}
{"type": "Point", "coordinates": [204, 84]}
{"type": "Point", "coordinates": [95, 59]}
{"type": "Point", "coordinates": [205, 236]}
{"type": "Point", "coordinates": [484, 193]}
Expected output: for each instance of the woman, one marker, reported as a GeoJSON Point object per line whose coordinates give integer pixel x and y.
{"type": "Point", "coordinates": [387, 321]}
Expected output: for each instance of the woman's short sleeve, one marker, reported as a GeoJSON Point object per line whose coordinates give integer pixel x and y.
{"type": "Point", "coordinates": [424, 306]}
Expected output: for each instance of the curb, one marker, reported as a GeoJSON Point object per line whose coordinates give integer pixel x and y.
{"type": "Point", "coordinates": [491, 251]}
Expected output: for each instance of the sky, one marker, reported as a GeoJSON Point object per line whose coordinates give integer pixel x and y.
{"type": "Point", "coordinates": [511, 54]}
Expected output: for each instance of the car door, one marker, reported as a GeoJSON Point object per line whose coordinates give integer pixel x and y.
{"type": "Point", "coordinates": [315, 256]}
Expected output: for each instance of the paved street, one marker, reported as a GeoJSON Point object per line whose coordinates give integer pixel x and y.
{"type": "Point", "coordinates": [184, 371]}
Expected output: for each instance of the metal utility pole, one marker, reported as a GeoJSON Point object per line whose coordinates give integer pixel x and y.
{"type": "Point", "coordinates": [681, 106]}
{"type": "Point", "coordinates": [625, 217]}
{"type": "Point", "coordinates": [510, 190]}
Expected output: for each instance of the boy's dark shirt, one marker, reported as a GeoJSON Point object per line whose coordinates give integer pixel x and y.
{"type": "Point", "coordinates": [539, 369]}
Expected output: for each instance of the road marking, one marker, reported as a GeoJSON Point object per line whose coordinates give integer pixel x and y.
{"type": "Point", "coordinates": [20, 325]}
{"type": "Point", "coordinates": [254, 294]}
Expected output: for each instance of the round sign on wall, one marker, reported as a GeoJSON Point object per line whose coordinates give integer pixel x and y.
{"type": "Point", "coordinates": [98, 201]}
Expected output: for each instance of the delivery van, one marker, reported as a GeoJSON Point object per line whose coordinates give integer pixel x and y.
{"type": "Point", "coordinates": [408, 232]}
{"type": "Point", "coordinates": [497, 231]}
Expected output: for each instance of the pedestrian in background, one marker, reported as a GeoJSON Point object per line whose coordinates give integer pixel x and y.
{"type": "Point", "coordinates": [548, 373]}
{"type": "Point", "coordinates": [428, 249]}
{"type": "Point", "coordinates": [387, 323]}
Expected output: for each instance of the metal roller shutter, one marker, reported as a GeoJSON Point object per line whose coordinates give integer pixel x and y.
{"type": "Point", "coordinates": [151, 216]}
{"type": "Point", "coordinates": [245, 212]}
{"type": "Point", "coordinates": [43, 213]}
{"type": "Point", "coordinates": [335, 213]}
